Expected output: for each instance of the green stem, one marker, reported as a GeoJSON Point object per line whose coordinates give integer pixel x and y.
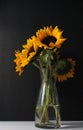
{"type": "Point", "coordinates": [57, 114]}
{"type": "Point", "coordinates": [44, 116]}
{"type": "Point", "coordinates": [36, 65]}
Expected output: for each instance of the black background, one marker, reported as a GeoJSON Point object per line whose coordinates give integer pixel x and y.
{"type": "Point", "coordinates": [20, 20]}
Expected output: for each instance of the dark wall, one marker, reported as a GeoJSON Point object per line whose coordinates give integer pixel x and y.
{"type": "Point", "coordinates": [20, 20]}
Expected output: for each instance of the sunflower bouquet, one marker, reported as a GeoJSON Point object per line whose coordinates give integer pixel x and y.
{"type": "Point", "coordinates": [40, 48]}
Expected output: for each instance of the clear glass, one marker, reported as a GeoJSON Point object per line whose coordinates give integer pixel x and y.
{"type": "Point", "coordinates": [47, 112]}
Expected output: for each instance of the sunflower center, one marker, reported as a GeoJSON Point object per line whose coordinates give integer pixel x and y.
{"type": "Point", "coordinates": [63, 67]}
{"type": "Point", "coordinates": [31, 50]}
{"type": "Point", "coordinates": [48, 39]}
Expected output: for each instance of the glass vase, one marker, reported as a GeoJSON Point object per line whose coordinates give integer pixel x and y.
{"type": "Point", "coordinates": [47, 112]}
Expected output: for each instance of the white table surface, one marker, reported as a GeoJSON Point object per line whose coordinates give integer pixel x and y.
{"type": "Point", "coordinates": [29, 125]}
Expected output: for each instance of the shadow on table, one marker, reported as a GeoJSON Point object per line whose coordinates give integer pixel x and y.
{"type": "Point", "coordinates": [77, 124]}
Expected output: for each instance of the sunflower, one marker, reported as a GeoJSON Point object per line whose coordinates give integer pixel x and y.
{"type": "Point", "coordinates": [18, 62]}
{"type": "Point", "coordinates": [24, 57]}
{"type": "Point", "coordinates": [50, 37]}
{"type": "Point", "coordinates": [64, 69]}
